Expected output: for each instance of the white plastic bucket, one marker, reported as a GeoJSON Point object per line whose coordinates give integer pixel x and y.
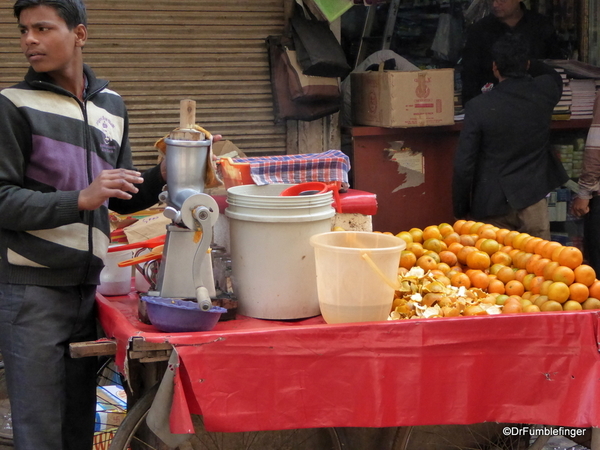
{"type": "Point", "coordinates": [350, 289]}
{"type": "Point", "coordinates": [272, 262]}
{"type": "Point", "coordinates": [115, 280]}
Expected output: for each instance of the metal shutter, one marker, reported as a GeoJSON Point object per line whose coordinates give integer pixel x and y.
{"type": "Point", "coordinates": [156, 53]}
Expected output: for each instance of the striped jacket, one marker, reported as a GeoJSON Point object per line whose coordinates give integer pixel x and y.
{"type": "Point", "coordinates": [589, 180]}
{"type": "Point", "coordinates": [52, 146]}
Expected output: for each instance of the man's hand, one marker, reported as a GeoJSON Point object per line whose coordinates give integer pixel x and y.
{"type": "Point", "coordinates": [117, 183]}
{"type": "Point", "coordinates": [580, 207]}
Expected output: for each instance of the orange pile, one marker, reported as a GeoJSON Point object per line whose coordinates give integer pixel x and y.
{"type": "Point", "coordinates": [523, 272]}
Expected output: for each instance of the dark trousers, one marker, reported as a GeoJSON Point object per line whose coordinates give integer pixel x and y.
{"type": "Point", "coordinates": [591, 234]}
{"type": "Point", "coordinates": [52, 395]}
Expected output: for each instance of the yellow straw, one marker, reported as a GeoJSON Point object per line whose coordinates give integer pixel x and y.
{"type": "Point", "coordinates": [367, 258]}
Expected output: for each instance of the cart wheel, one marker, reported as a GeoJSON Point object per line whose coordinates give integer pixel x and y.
{"type": "Point", "coordinates": [451, 437]}
{"type": "Point", "coordinates": [134, 434]}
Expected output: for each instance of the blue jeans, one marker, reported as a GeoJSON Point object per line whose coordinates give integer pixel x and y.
{"type": "Point", "coordinates": [52, 395]}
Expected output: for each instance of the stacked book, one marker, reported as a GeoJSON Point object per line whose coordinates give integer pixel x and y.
{"type": "Point", "coordinates": [562, 110]}
{"type": "Point", "coordinates": [584, 93]}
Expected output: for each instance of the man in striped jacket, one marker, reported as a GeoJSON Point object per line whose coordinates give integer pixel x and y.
{"type": "Point", "coordinates": [587, 202]}
{"type": "Point", "coordinates": [64, 161]}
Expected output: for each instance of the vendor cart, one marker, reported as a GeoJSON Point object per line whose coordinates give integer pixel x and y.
{"type": "Point", "coordinates": [251, 375]}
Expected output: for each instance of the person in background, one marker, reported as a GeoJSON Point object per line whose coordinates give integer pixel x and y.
{"type": "Point", "coordinates": [504, 166]}
{"type": "Point", "coordinates": [506, 16]}
{"type": "Point", "coordinates": [65, 159]}
{"type": "Point", "coordinates": [587, 202]}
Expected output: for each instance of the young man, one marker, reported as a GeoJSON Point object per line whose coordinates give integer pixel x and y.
{"type": "Point", "coordinates": [506, 16]}
{"type": "Point", "coordinates": [64, 160]}
{"type": "Point", "coordinates": [504, 166]}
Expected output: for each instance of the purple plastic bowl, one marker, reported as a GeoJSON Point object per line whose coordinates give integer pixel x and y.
{"type": "Point", "coordinates": [176, 315]}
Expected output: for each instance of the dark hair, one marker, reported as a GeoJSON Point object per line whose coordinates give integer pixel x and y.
{"type": "Point", "coordinates": [511, 55]}
{"type": "Point", "coordinates": [71, 11]}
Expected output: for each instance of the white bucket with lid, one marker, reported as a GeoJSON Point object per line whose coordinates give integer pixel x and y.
{"type": "Point", "coordinates": [273, 263]}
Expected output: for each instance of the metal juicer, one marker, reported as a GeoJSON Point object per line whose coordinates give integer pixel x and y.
{"type": "Point", "coordinates": [193, 216]}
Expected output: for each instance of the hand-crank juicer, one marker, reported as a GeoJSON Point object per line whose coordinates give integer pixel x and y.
{"type": "Point", "coordinates": [192, 212]}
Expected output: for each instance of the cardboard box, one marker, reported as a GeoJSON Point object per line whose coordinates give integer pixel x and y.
{"type": "Point", "coordinates": [403, 99]}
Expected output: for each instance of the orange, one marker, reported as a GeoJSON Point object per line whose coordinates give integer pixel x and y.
{"type": "Point", "coordinates": [549, 269]}
{"type": "Point", "coordinates": [494, 268]}
{"type": "Point", "coordinates": [551, 305]}
{"type": "Point", "coordinates": [570, 257]}
{"type": "Point", "coordinates": [479, 279]}
{"type": "Point", "coordinates": [545, 286]}
{"type": "Point", "coordinates": [426, 262]}
{"type": "Point", "coordinates": [531, 244]}
{"type": "Point", "coordinates": [572, 305]}
{"type": "Point", "coordinates": [416, 248]}
{"type": "Point", "coordinates": [558, 291]}
{"type": "Point", "coordinates": [475, 227]}
{"type": "Point", "coordinates": [407, 259]}
{"type": "Point", "coordinates": [478, 243]}
{"type": "Point", "coordinates": [527, 279]}
{"type": "Point", "coordinates": [496, 287]}
{"type": "Point", "coordinates": [579, 292]}
{"type": "Point", "coordinates": [467, 240]}
{"type": "Point", "coordinates": [531, 262]}
{"type": "Point", "coordinates": [520, 274]}
{"type": "Point", "coordinates": [540, 265]}
{"type": "Point", "coordinates": [478, 260]}
{"type": "Point", "coordinates": [406, 237]}
{"type": "Point", "coordinates": [549, 247]}
{"type": "Point", "coordinates": [501, 258]}
{"type": "Point", "coordinates": [444, 267]}
{"type": "Point", "coordinates": [434, 244]}
{"type": "Point", "coordinates": [508, 239]}
{"type": "Point", "coordinates": [458, 225]}
{"type": "Point", "coordinates": [466, 227]}
{"type": "Point", "coordinates": [505, 274]}
{"type": "Point", "coordinates": [514, 287]}
{"type": "Point", "coordinates": [445, 229]}
{"type": "Point", "coordinates": [490, 246]}
{"type": "Point", "coordinates": [512, 307]}
{"type": "Point", "coordinates": [564, 274]}
{"type": "Point", "coordinates": [521, 258]}
{"type": "Point", "coordinates": [432, 231]}
{"type": "Point", "coordinates": [595, 289]}
{"type": "Point", "coordinates": [535, 285]}
{"type": "Point", "coordinates": [433, 254]}
{"type": "Point", "coordinates": [539, 245]}
{"type": "Point", "coordinates": [448, 257]}
{"type": "Point", "coordinates": [452, 237]}
{"type": "Point", "coordinates": [417, 234]}
{"type": "Point", "coordinates": [585, 274]}
{"type": "Point", "coordinates": [501, 234]}
{"type": "Point", "coordinates": [460, 279]}
{"type": "Point", "coordinates": [519, 240]}
{"type": "Point", "coordinates": [556, 253]}
{"type": "Point", "coordinates": [463, 252]}
{"type": "Point", "coordinates": [487, 232]}
{"type": "Point", "coordinates": [455, 247]}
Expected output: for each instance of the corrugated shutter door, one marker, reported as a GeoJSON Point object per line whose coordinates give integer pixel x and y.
{"type": "Point", "coordinates": [157, 52]}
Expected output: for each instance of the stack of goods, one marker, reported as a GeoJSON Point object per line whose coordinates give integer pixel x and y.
{"type": "Point", "coordinates": [473, 268]}
{"type": "Point", "coordinates": [584, 93]}
{"type": "Point", "coordinates": [562, 110]}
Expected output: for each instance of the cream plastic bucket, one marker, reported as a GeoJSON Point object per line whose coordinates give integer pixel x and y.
{"type": "Point", "coordinates": [272, 262]}
{"type": "Point", "coordinates": [115, 280]}
{"type": "Point", "coordinates": [350, 290]}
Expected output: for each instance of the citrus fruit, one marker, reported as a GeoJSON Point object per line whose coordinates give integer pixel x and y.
{"type": "Point", "coordinates": [572, 305]}
{"type": "Point", "coordinates": [585, 274]}
{"type": "Point", "coordinates": [551, 305]}
{"type": "Point", "coordinates": [460, 279]}
{"type": "Point", "coordinates": [407, 259]}
{"type": "Point", "coordinates": [514, 287]}
{"type": "Point", "coordinates": [564, 274]}
{"type": "Point", "coordinates": [478, 260]}
{"type": "Point", "coordinates": [579, 292]}
{"type": "Point", "coordinates": [570, 257]}
{"type": "Point", "coordinates": [558, 291]}
{"type": "Point", "coordinates": [505, 274]}
{"type": "Point", "coordinates": [591, 303]}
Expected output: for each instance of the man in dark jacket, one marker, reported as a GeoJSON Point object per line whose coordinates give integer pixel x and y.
{"type": "Point", "coordinates": [507, 16]}
{"type": "Point", "coordinates": [504, 166]}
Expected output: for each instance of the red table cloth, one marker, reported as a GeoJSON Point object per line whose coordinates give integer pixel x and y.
{"type": "Point", "coordinates": [251, 374]}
